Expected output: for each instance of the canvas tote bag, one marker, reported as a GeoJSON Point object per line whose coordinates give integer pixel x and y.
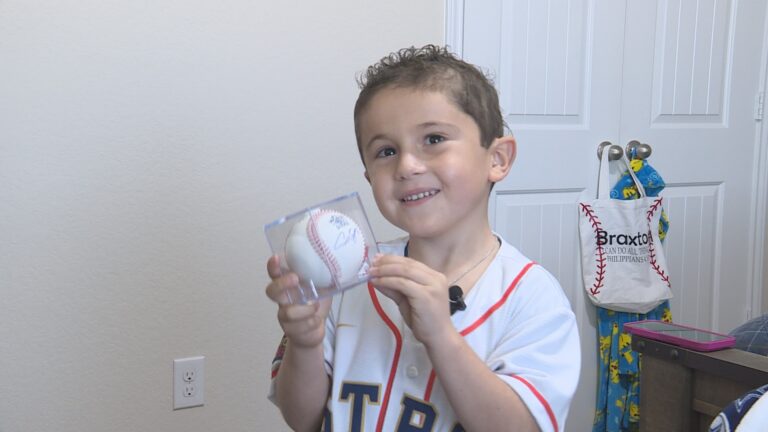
{"type": "Point", "coordinates": [622, 259]}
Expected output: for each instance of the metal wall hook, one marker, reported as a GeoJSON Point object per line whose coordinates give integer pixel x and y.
{"type": "Point", "coordinates": [614, 152]}
{"type": "Point", "coordinates": [641, 150]}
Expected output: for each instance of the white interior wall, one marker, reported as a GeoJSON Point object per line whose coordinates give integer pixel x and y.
{"type": "Point", "coordinates": [143, 146]}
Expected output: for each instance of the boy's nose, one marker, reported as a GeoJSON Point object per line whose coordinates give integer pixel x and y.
{"type": "Point", "coordinates": [409, 165]}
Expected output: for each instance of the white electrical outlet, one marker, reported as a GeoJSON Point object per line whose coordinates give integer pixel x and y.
{"type": "Point", "coordinates": [188, 382]}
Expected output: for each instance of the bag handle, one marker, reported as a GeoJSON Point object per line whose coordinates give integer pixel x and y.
{"type": "Point", "coordinates": [603, 182]}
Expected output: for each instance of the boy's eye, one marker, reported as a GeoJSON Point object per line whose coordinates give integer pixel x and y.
{"type": "Point", "coordinates": [386, 152]}
{"type": "Point", "coordinates": [435, 139]}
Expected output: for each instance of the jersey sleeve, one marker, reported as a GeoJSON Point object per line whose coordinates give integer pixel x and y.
{"type": "Point", "coordinates": [539, 355]}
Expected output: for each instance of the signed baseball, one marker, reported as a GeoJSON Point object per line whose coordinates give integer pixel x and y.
{"type": "Point", "coordinates": [325, 243]}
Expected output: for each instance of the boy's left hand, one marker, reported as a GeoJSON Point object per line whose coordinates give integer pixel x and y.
{"type": "Point", "coordinates": [420, 292]}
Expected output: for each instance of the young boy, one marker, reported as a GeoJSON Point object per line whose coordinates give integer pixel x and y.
{"type": "Point", "coordinates": [395, 356]}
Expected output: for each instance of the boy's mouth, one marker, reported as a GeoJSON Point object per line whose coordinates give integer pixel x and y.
{"type": "Point", "coordinates": [420, 195]}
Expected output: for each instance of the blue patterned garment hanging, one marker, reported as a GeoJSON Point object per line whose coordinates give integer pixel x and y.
{"type": "Point", "coordinates": [618, 388]}
{"type": "Point", "coordinates": [625, 188]}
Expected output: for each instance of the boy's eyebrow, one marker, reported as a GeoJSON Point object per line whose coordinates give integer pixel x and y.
{"type": "Point", "coordinates": [429, 124]}
{"type": "Point", "coordinates": [374, 138]}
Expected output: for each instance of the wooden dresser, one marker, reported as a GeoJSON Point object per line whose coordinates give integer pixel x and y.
{"type": "Point", "coordinates": [683, 390]}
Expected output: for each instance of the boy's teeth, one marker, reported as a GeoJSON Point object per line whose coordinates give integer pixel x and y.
{"type": "Point", "coordinates": [419, 196]}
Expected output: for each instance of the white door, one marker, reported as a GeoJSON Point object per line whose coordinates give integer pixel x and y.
{"type": "Point", "coordinates": [680, 75]}
{"type": "Point", "coordinates": [689, 90]}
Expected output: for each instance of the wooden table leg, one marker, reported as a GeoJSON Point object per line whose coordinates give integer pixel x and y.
{"type": "Point", "coordinates": [665, 396]}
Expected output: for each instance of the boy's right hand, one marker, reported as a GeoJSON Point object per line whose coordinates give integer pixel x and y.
{"type": "Point", "coordinates": [304, 325]}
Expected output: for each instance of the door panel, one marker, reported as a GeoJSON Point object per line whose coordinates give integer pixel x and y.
{"type": "Point", "coordinates": [692, 250]}
{"type": "Point", "coordinates": [676, 74]}
{"type": "Point", "coordinates": [691, 55]}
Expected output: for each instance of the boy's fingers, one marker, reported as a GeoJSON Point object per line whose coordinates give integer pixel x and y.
{"type": "Point", "coordinates": [324, 306]}
{"type": "Point", "coordinates": [394, 295]}
{"type": "Point", "coordinates": [276, 290]}
{"type": "Point", "coordinates": [398, 288]}
{"type": "Point", "coordinates": [273, 267]}
{"type": "Point", "coordinates": [398, 262]}
{"type": "Point", "coordinates": [415, 272]}
{"type": "Point", "coordinates": [297, 312]}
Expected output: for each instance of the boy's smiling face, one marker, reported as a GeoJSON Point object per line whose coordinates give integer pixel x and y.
{"type": "Point", "coordinates": [429, 173]}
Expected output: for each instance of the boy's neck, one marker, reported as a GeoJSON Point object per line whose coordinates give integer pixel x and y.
{"type": "Point", "coordinates": [452, 254]}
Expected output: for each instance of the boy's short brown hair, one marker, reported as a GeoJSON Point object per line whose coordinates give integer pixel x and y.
{"type": "Point", "coordinates": [434, 68]}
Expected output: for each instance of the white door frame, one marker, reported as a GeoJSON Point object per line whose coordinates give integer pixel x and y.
{"type": "Point", "coordinates": [760, 190]}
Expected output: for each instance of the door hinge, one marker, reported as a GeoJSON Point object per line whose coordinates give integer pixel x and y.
{"type": "Point", "coordinates": [759, 104]}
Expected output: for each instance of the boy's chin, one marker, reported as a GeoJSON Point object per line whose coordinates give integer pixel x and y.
{"type": "Point", "coordinates": [420, 230]}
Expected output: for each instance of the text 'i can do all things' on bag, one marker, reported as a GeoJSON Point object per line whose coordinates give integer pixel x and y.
{"type": "Point", "coordinates": [622, 259]}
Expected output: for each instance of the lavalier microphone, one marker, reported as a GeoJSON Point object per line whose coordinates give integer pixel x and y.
{"type": "Point", "coordinates": [456, 299]}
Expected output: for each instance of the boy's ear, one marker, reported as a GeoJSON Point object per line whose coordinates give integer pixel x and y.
{"type": "Point", "coordinates": [503, 151]}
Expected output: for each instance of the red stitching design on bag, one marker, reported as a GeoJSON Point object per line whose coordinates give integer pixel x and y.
{"type": "Point", "coordinates": [600, 259]}
{"type": "Point", "coordinates": [319, 245]}
{"type": "Point", "coordinates": [652, 209]}
{"type": "Point", "coordinates": [651, 249]}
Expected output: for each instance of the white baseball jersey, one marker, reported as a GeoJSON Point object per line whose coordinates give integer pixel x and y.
{"type": "Point", "coordinates": [518, 321]}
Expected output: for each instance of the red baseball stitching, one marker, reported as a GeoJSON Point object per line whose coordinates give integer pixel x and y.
{"type": "Point", "coordinates": [651, 249]}
{"type": "Point", "coordinates": [600, 267]}
{"type": "Point", "coordinates": [319, 245]}
{"type": "Point", "coordinates": [652, 209]}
